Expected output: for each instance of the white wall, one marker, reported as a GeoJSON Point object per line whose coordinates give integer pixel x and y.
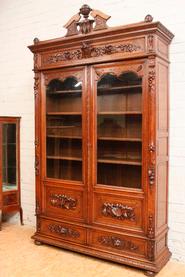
{"type": "Point", "coordinates": [22, 20]}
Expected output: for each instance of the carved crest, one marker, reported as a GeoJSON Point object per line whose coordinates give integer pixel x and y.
{"type": "Point", "coordinates": [80, 23]}
{"type": "Point", "coordinates": [118, 211]}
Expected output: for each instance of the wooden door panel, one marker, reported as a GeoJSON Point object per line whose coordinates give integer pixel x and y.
{"type": "Point", "coordinates": [118, 211]}
{"type": "Point", "coordinates": [65, 203]}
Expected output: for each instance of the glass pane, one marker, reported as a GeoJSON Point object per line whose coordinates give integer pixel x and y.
{"type": "Point", "coordinates": [64, 129]}
{"type": "Point", "coordinates": [119, 130]}
{"type": "Point", "coordinates": [9, 156]}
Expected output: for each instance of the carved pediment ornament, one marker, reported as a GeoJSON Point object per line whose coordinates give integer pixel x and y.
{"type": "Point", "coordinates": [80, 23]}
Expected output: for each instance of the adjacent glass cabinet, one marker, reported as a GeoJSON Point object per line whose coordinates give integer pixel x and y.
{"type": "Point", "coordinates": [101, 140]}
{"type": "Point", "coordinates": [9, 160]}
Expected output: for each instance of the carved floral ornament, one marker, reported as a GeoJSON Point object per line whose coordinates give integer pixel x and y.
{"type": "Point", "coordinates": [118, 211]}
{"type": "Point", "coordinates": [63, 201]}
{"type": "Point", "coordinates": [117, 243]}
{"type": "Point", "coordinates": [88, 51]}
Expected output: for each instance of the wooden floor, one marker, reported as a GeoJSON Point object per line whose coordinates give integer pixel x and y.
{"type": "Point", "coordinates": [20, 257]}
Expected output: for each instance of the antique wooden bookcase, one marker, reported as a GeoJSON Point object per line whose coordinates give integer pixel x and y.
{"type": "Point", "coordinates": [10, 199]}
{"type": "Point", "coordinates": [101, 146]}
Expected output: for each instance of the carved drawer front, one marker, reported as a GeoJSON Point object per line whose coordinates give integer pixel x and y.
{"type": "Point", "coordinates": [10, 199]}
{"type": "Point", "coordinates": [117, 211]}
{"type": "Point", "coordinates": [120, 244]}
{"type": "Point", "coordinates": [65, 203]}
{"type": "Point", "coordinates": [63, 231]}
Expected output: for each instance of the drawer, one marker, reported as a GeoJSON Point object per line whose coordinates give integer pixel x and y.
{"type": "Point", "coordinates": [118, 243]}
{"type": "Point", "coordinates": [10, 198]}
{"type": "Point", "coordinates": [118, 211]}
{"type": "Point", "coordinates": [65, 203]}
{"type": "Point", "coordinates": [63, 231]}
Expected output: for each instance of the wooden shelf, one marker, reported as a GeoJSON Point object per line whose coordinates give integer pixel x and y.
{"type": "Point", "coordinates": [64, 158]}
{"type": "Point", "coordinates": [120, 113]}
{"type": "Point", "coordinates": [120, 139]}
{"type": "Point", "coordinates": [65, 92]}
{"type": "Point", "coordinates": [65, 137]}
{"type": "Point", "coordinates": [62, 127]}
{"type": "Point", "coordinates": [64, 113]}
{"type": "Point", "coordinates": [120, 161]}
{"type": "Point", "coordinates": [118, 88]}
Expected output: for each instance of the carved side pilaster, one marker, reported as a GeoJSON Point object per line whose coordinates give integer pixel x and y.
{"type": "Point", "coordinates": [151, 231]}
{"type": "Point", "coordinates": [38, 224]}
{"type": "Point", "coordinates": [37, 165]}
{"type": "Point", "coordinates": [150, 43]}
{"type": "Point", "coordinates": [151, 250]}
{"type": "Point", "coordinates": [36, 84]}
{"type": "Point", "coordinates": [37, 208]}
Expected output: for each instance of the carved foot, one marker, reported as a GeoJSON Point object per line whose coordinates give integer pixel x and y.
{"type": "Point", "coordinates": [37, 242]}
{"type": "Point", "coordinates": [150, 273]}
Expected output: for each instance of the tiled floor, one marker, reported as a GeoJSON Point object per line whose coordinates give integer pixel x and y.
{"type": "Point", "coordinates": [20, 257]}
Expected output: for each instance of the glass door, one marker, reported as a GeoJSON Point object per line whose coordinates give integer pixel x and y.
{"type": "Point", "coordinates": [119, 130]}
{"type": "Point", "coordinates": [9, 157]}
{"type": "Point", "coordinates": [64, 159]}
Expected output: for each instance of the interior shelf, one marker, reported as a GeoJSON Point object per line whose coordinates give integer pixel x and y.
{"type": "Point", "coordinates": [120, 139]}
{"type": "Point", "coordinates": [120, 113]}
{"type": "Point", "coordinates": [65, 137]}
{"type": "Point", "coordinates": [118, 88]}
{"type": "Point", "coordinates": [120, 161]}
{"type": "Point", "coordinates": [64, 158]}
{"type": "Point", "coordinates": [64, 113]}
{"type": "Point", "coordinates": [64, 92]}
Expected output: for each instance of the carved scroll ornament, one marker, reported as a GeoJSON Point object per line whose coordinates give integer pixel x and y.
{"type": "Point", "coordinates": [64, 231]}
{"type": "Point", "coordinates": [117, 243]}
{"type": "Point", "coordinates": [118, 211]}
{"type": "Point", "coordinates": [88, 51]}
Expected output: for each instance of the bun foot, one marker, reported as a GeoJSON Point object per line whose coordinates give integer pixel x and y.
{"type": "Point", "coordinates": [37, 242]}
{"type": "Point", "coordinates": [150, 273]}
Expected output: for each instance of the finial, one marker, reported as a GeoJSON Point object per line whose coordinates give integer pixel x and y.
{"type": "Point", "coordinates": [36, 40]}
{"type": "Point", "coordinates": [148, 18]}
{"type": "Point", "coordinates": [85, 10]}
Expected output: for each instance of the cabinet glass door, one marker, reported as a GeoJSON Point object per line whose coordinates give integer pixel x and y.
{"type": "Point", "coordinates": [64, 129]}
{"type": "Point", "coordinates": [9, 154]}
{"type": "Point", "coordinates": [119, 130]}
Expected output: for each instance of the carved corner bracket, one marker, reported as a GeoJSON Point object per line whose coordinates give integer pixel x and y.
{"type": "Point", "coordinates": [118, 211]}
{"type": "Point", "coordinates": [80, 23]}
